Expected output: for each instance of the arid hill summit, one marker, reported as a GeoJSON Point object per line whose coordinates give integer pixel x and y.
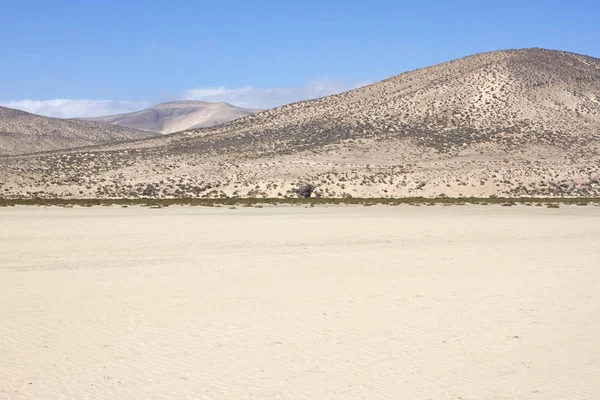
{"type": "Point", "coordinates": [508, 98]}
{"type": "Point", "coordinates": [508, 123]}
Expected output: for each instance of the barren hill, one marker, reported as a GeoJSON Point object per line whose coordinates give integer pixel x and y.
{"type": "Point", "coordinates": [509, 123]}
{"type": "Point", "coordinates": [21, 132]}
{"type": "Point", "coordinates": [177, 116]}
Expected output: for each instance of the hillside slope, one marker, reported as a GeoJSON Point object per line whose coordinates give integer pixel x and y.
{"type": "Point", "coordinates": [506, 97]}
{"type": "Point", "coordinates": [177, 116]}
{"type": "Point", "coordinates": [22, 132]}
{"type": "Point", "coordinates": [509, 123]}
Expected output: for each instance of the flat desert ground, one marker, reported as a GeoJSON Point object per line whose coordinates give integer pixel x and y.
{"type": "Point", "coordinates": [340, 302]}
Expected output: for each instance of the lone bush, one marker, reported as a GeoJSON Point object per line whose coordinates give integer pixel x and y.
{"type": "Point", "coordinates": [304, 191]}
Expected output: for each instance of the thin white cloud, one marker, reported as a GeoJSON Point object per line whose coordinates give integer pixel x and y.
{"type": "Point", "coordinates": [362, 83]}
{"type": "Point", "coordinates": [247, 96]}
{"type": "Point", "coordinates": [70, 108]}
{"type": "Point", "coordinates": [252, 97]}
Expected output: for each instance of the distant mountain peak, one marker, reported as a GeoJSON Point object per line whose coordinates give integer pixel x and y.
{"type": "Point", "coordinates": [174, 116]}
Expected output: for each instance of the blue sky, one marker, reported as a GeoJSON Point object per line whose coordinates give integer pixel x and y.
{"type": "Point", "coordinates": [82, 58]}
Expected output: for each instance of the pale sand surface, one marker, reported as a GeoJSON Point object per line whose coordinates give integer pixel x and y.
{"type": "Point", "coordinates": [472, 302]}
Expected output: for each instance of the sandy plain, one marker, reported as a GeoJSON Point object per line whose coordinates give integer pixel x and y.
{"type": "Point", "coordinates": [352, 302]}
